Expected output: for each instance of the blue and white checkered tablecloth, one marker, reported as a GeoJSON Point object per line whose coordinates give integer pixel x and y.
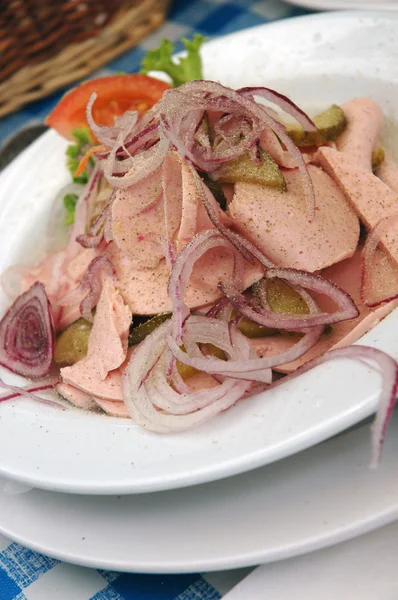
{"type": "Point", "coordinates": [28, 575]}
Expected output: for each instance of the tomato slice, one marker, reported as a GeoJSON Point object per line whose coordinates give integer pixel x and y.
{"type": "Point", "coordinates": [115, 95]}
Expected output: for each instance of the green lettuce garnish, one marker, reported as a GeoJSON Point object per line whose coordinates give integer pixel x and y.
{"type": "Point", "coordinates": [75, 152]}
{"type": "Point", "coordinates": [180, 70]}
{"type": "Point", "coordinates": [70, 201]}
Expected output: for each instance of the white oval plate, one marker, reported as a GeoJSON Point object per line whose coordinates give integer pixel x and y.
{"type": "Point", "coordinates": [346, 4]}
{"type": "Point", "coordinates": [306, 502]}
{"type": "Point", "coordinates": [317, 60]}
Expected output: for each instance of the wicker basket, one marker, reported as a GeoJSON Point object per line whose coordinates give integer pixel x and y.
{"type": "Point", "coordinates": [47, 44]}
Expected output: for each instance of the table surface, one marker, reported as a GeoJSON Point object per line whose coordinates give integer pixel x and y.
{"type": "Point", "coordinates": [28, 575]}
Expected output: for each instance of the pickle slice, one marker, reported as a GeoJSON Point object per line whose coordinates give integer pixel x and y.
{"type": "Point", "coordinates": [186, 371]}
{"type": "Point", "coordinates": [330, 124]}
{"type": "Point", "coordinates": [378, 157]}
{"type": "Point", "coordinates": [72, 344]}
{"type": "Point", "coordinates": [243, 169]}
{"type": "Point", "coordinates": [139, 333]}
{"type": "Point", "coordinates": [253, 330]}
{"type": "Point", "coordinates": [280, 297]}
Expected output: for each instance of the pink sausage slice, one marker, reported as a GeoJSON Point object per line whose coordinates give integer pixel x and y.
{"type": "Point", "coordinates": [277, 222]}
{"type": "Point", "coordinates": [84, 378]}
{"type": "Point", "coordinates": [107, 346]}
{"type": "Point", "coordinates": [107, 349]}
{"type": "Point", "coordinates": [114, 408]}
{"type": "Point", "coordinates": [138, 221]}
{"type": "Point", "coordinates": [145, 290]}
{"type": "Point", "coordinates": [359, 139]}
{"type": "Point", "coordinates": [372, 199]}
{"type": "Point", "coordinates": [75, 396]}
{"type": "Point", "coordinates": [388, 173]}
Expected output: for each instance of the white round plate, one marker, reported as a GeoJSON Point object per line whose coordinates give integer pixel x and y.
{"type": "Point", "coordinates": [314, 499]}
{"type": "Point", "coordinates": [346, 4]}
{"type": "Point", "coordinates": [317, 60]}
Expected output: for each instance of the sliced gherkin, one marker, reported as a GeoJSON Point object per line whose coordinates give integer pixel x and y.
{"type": "Point", "coordinates": [253, 330]}
{"type": "Point", "coordinates": [187, 371]}
{"type": "Point", "coordinates": [72, 344]}
{"type": "Point", "coordinates": [243, 169]}
{"type": "Point", "coordinates": [329, 123]}
{"type": "Point", "coordinates": [139, 333]}
{"type": "Point", "coordinates": [280, 297]}
{"type": "Point", "coordinates": [378, 157]}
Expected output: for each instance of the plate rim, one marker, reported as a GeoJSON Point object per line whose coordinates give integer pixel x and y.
{"type": "Point", "coordinates": [329, 5]}
{"type": "Point", "coordinates": [339, 534]}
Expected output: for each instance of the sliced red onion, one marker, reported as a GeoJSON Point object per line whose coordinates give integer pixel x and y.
{"type": "Point", "coordinates": [177, 381]}
{"type": "Point", "coordinates": [291, 108]}
{"type": "Point", "coordinates": [89, 289]}
{"type": "Point", "coordinates": [212, 331]}
{"type": "Point", "coordinates": [287, 105]}
{"type": "Point", "coordinates": [17, 391]}
{"type": "Point", "coordinates": [27, 335]}
{"type": "Point", "coordinates": [182, 269]}
{"type": "Point", "coordinates": [387, 399]}
{"type": "Point", "coordinates": [182, 112]}
{"type": "Point", "coordinates": [214, 311]}
{"type": "Point", "coordinates": [140, 166]}
{"type": "Point", "coordinates": [144, 388]}
{"type": "Point", "coordinates": [268, 318]}
{"type": "Point", "coordinates": [30, 392]}
{"type": "Point", "coordinates": [82, 210]}
{"type": "Point", "coordinates": [97, 232]}
{"type": "Point", "coordinates": [142, 140]}
{"type": "Point", "coordinates": [108, 135]}
{"type": "Point", "coordinates": [188, 100]}
{"type": "Point", "coordinates": [367, 256]}
{"type": "Point", "coordinates": [92, 281]}
{"type": "Point", "coordinates": [142, 163]}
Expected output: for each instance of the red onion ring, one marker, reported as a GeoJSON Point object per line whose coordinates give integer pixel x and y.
{"type": "Point", "coordinates": [105, 134]}
{"type": "Point", "coordinates": [182, 112]}
{"type": "Point", "coordinates": [182, 269]}
{"type": "Point", "coordinates": [141, 164]}
{"type": "Point", "coordinates": [269, 318]}
{"type": "Point", "coordinates": [97, 231]}
{"type": "Point", "coordinates": [213, 331]}
{"type": "Point", "coordinates": [387, 400]}
{"type": "Point", "coordinates": [30, 392]}
{"type": "Point", "coordinates": [90, 287]}
{"type": "Point", "coordinates": [287, 105]}
{"type": "Point", "coordinates": [193, 97]}
{"type": "Point", "coordinates": [142, 394]}
{"type": "Point", "coordinates": [27, 334]}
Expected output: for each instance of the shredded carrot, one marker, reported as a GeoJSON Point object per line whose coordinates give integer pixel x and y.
{"type": "Point", "coordinates": [86, 157]}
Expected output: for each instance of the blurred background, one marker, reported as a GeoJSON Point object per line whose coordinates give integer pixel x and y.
{"type": "Point", "coordinates": [47, 46]}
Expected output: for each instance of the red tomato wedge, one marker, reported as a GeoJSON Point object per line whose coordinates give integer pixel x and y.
{"type": "Point", "coordinates": [115, 95]}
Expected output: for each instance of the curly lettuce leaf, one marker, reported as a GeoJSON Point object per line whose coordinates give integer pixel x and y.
{"type": "Point", "coordinates": [181, 70]}
{"type": "Point", "coordinates": [70, 201]}
{"type": "Point", "coordinates": [74, 153]}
